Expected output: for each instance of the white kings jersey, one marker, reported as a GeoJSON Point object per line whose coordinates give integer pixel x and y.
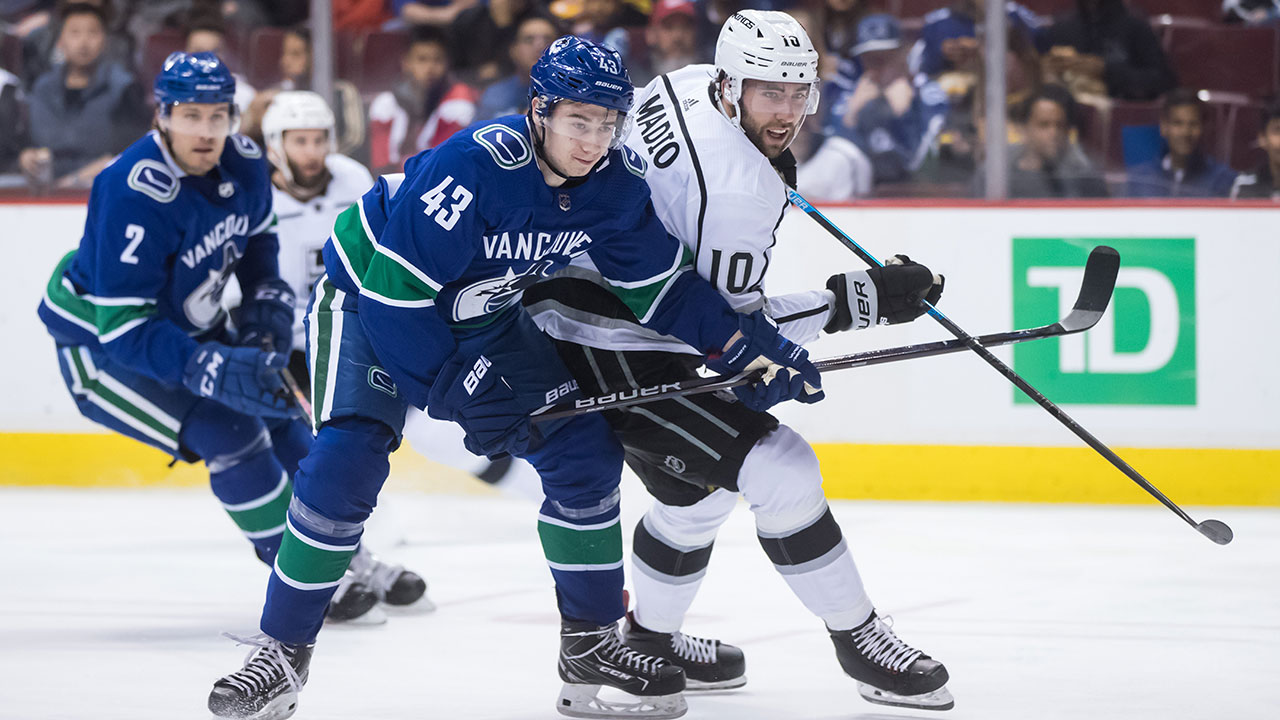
{"type": "Point", "coordinates": [714, 191]}
{"type": "Point", "coordinates": [303, 228]}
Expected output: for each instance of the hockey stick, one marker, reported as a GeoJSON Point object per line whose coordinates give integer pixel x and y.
{"type": "Point", "coordinates": [1215, 530]}
{"type": "Point", "coordinates": [1095, 292]}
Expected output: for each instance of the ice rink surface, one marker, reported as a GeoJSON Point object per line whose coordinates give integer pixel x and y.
{"type": "Point", "coordinates": [112, 603]}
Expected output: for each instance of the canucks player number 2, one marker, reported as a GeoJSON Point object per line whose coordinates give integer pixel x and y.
{"type": "Point", "coordinates": [435, 197]}
{"type": "Point", "coordinates": [134, 233]}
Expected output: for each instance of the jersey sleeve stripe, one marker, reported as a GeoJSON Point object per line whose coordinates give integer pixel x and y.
{"type": "Point", "coordinates": [643, 299]}
{"type": "Point", "coordinates": [107, 318]}
{"type": "Point", "coordinates": [269, 223]}
{"type": "Point", "coordinates": [683, 257]}
{"type": "Point", "coordinates": [421, 303]}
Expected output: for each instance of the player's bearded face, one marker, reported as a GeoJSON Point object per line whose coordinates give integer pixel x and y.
{"type": "Point", "coordinates": [772, 113]}
{"type": "Point", "coordinates": [579, 134]}
{"type": "Point", "coordinates": [305, 151]}
{"type": "Point", "coordinates": [197, 133]}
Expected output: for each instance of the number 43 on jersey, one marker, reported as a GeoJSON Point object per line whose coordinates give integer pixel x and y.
{"type": "Point", "coordinates": [435, 197]}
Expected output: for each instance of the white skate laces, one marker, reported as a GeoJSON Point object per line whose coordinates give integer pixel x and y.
{"type": "Point", "coordinates": [695, 649]}
{"type": "Point", "coordinates": [266, 660]}
{"type": "Point", "coordinates": [611, 645]}
{"type": "Point", "coordinates": [876, 641]}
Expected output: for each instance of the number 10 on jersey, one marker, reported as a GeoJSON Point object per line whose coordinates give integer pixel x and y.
{"type": "Point", "coordinates": [435, 197]}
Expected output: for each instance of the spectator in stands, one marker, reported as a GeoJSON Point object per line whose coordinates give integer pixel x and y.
{"type": "Point", "coordinates": [882, 129]}
{"type": "Point", "coordinates": [295, 74]}
{"type": "Point", "coordinates": [13, 132]}
{"type": "Point", "coordinates": [1102, 48]}
{"type": "Point", "coordinates": [1252, 12]}
{"type": "Point", "coordinates": [482, 35]}
{"type": "Point", "coordinates": [436, 13]}
{"type": "Point", "coordinates": [607, 21]}
{"type": "Point", "coordinates": [84, 111]}
{"type": "Point", "coordinates": [1184, 170]}
{"type": "Point", "coordinates": [671, 40]}
{"type": "Point", "coordinates": [1049, 164]}
{"type": "Point", "coordinates": [1264, 183]}
{"type": "Point", "coordinates": [21, 17]}
{"type": "Point", "coordinates": [949, 43]}
{"type": "Point", "coordinates": [360, 15]}
{"type": "Point", "coordinates": [423, 109]}
{"type": "Point", "coordinates": [40, 48]}
{"type": "Point", "coordinates": [510, 94]}
{"type": "Point", "coordinates": [206, 31]}
{"type": "Point", "coordinates": [839, 20]}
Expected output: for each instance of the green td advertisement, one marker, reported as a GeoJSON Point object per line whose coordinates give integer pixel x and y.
{"type": "Point", "coordinates": [1143, 352]}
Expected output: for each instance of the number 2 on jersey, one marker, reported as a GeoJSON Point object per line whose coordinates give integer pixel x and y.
{"type": "Point", "coordinates": [435, 197]}
{"type": "Point", "coordinates": [135, 234]}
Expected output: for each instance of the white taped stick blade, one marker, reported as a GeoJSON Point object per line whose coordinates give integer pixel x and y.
{"type": "Point", "coordinates": [939, 699]}
{"type": "Point", "coordinates": [583, 701]}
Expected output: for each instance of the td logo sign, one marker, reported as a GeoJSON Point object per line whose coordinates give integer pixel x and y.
{"type": "Point", "coordinates": [1143, 352]}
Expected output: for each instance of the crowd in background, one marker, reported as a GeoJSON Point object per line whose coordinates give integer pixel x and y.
{"type": "Point", "coordinates": [1106, 98]}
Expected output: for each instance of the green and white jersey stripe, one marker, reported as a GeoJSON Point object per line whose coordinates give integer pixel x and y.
{"type": "Point", "coordinates": [107, 318]}
{"type": "Point", "coordinates": [307, 564]}
{"type": "Point", "coordinates": [326, 345]}
{"type": "Point", "coordinates": [380, 273]}
{"type": "Point", "coordinates": [642, 297]}
{"type": "Point", "coordinates": [581, 547]}
{"type": "Point", "coordinates": [120, 401]}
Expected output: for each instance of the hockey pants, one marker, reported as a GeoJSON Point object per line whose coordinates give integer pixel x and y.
{"type": "Point", "coordinates": [782, 484]}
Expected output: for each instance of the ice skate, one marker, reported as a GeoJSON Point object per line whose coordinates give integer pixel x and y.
{"type": "Point", "coordinates": [707, 664]}
{"type": "Point", "coordinates": [592, 656]}
{"type": "Point", "coordinates": [890, 672]}
{"type": "Point", "coordinates": [267, 687]}
{"type": "Point", "coordinates": [393, 585]}
{"type": "Point", "coordinates": [354, 604]}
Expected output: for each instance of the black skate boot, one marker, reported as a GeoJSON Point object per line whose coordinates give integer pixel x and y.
{"type": "Point", "coordinates": [267, 687]}
{"type": "Point", "coordinates": [354, 603]}
{"type": "Point", "coordinates": [392, 584]}
{"type": "Point", "coordinates": [591, 656]}
{"type": "Point", "coordinates": [707, 664]}
{"type": "Point", "coordinates": [890, 672]}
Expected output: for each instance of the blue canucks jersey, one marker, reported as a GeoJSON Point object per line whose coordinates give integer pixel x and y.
{"type": "Point", "coordinates": [158, 249]}
{"type": "Point", "coordinates": [456, 239]}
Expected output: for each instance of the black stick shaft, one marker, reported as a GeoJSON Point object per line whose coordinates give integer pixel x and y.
{"type": "Point", "coordinates": [973, 344]}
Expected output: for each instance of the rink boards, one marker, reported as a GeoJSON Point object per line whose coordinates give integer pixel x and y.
{"type": "Point", "coordinates": [1178, 377]}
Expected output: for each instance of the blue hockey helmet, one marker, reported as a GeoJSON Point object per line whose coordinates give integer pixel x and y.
{"type": "Point", "coordinates": [582, 71]}
{"type": "Point", "coordinates": [194, 78]}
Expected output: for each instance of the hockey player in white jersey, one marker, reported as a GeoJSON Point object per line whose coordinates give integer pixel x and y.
{"type": "Point", "coordinates": [716, 139]}
{"type": "Point", "coordinates": [310, 184]}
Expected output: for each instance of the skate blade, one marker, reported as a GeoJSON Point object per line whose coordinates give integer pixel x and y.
{"type": "Point", "coordinates": [375, 616]}
{"type": "Point", "coordinates": [939, 699]}
{"type": "Point", "coordinates": [282, 707]}
{"type": "Point", "coordinates": [692, 685]}
{"type": "Point", "coordinates": [580, 701]}
{"type": "Point", "coordinates": [421, 606]}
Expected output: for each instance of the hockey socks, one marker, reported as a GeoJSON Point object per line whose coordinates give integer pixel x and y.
{"type": "Point", "coordinates": [583, 548]}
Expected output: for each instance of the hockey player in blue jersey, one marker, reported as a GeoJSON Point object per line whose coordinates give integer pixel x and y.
{"type": "Point", "coordinates": [136, 311]}
{"type": "Point", "coordinates": [421, 306]}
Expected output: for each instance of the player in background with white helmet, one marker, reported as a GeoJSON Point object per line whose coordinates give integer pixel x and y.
{"type": "Point", "coordinates": [311, 184]}
{"type": "Point", "coordinates": [716, 140]}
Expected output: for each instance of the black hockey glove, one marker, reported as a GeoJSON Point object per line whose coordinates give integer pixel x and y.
{"type": "Point", "coordinates": [472, 392]}
{"type": "Point", "coordinates": [244, 379]}
{"type": "Point", "coordinates": [883, 296]}
{"type": "Point", "coordinates": [268, 313]}
{"type": "Point", "coordinates": [789, 374]}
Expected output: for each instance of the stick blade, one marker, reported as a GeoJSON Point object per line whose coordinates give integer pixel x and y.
{"type": "Point", "coordinates": [1095, 292]}
{"type": "Point", "coordinates": [1216, 530]}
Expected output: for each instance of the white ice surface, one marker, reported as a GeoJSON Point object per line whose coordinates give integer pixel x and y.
{"type": "Point", "coordinates": [111, 604]}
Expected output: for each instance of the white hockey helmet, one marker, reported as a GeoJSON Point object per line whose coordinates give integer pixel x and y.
{"type": "Point", "coordinates": [294, 110]}
{"type": "Point", "coordinates": [765, 45]}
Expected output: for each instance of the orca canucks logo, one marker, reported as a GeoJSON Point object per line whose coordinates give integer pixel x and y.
{"type": "Point", "coordinates": [545, 250]}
